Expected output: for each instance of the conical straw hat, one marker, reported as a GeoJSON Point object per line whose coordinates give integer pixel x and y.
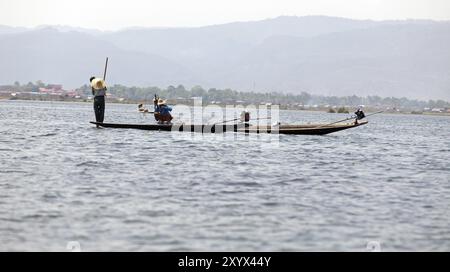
{"type": "Point", "coordinates": [98, 84]}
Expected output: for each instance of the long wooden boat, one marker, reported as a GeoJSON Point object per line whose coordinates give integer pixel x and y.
{"type": "Point", "coordinates": [308, 129]}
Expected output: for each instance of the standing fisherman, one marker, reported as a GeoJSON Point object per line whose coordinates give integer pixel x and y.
{"type": "Point", "coordinates": [98, 86]}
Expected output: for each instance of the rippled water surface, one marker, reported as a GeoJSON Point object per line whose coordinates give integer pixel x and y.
{"type": "Point", "coordinates": [63, 180]}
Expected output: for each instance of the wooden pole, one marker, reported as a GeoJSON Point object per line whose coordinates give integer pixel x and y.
{"type": "Point", "coordinates": [106, 68]}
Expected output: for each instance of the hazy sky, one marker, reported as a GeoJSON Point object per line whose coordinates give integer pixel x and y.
{"type": "Point", "coordinates": [113, 14]}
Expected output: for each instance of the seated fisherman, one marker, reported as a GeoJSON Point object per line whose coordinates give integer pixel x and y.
{"type": "Point", "coordinates": [245, 116]}
{"type": "Point", "coordinates": [359, 115]}
{"type": "Point", "coordinates": [162, 112]}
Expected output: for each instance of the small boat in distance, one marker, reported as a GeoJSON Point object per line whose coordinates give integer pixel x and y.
{"type": "Point", "coordinates": [243, 127]}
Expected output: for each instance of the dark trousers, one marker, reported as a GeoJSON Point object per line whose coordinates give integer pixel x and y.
{"type": "Point", "coordinates": [99, 108]}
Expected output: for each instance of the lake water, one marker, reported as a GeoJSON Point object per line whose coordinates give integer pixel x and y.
{"type": "Point", "coordinates": [386, 183]}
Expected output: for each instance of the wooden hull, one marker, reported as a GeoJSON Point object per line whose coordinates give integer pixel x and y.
{"type": "Point", "coordinates": [176, 127]}
{"type": "Point", "coordinates": [313, 129]}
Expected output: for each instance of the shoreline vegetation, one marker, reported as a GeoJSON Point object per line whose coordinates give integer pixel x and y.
{"type": "Point", "coordinates": [40, 91]}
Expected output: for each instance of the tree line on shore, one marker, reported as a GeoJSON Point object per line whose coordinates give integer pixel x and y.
{"type": "Point", "coordinates": [214, 95]}
{"type": "Point", "coordinates": [233, 96]}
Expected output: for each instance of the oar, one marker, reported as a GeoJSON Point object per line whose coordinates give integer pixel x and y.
{"type": "Point", "coordinates": [262, 118]}
{"type": "Point", "coordinates": [218, 123]}
{"type": "Point", "coordinates": [324, 125]}
{"type": "Point", "coordinates": [374, 113]}
{"type": "Point", "coordinates": [353, 117]}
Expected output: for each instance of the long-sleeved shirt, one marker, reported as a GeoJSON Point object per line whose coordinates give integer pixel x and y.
{"type": "Point", "coordinates": [163, 109]}
{"type": "Point", "coordinates": [99, 92]}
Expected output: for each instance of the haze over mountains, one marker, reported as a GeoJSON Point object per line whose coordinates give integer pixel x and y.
{"type": "Point", "coordinates": [316, 54]}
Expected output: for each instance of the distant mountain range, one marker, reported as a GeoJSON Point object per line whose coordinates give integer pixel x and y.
{"type": "Point", "coordinates": [316, 54]}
